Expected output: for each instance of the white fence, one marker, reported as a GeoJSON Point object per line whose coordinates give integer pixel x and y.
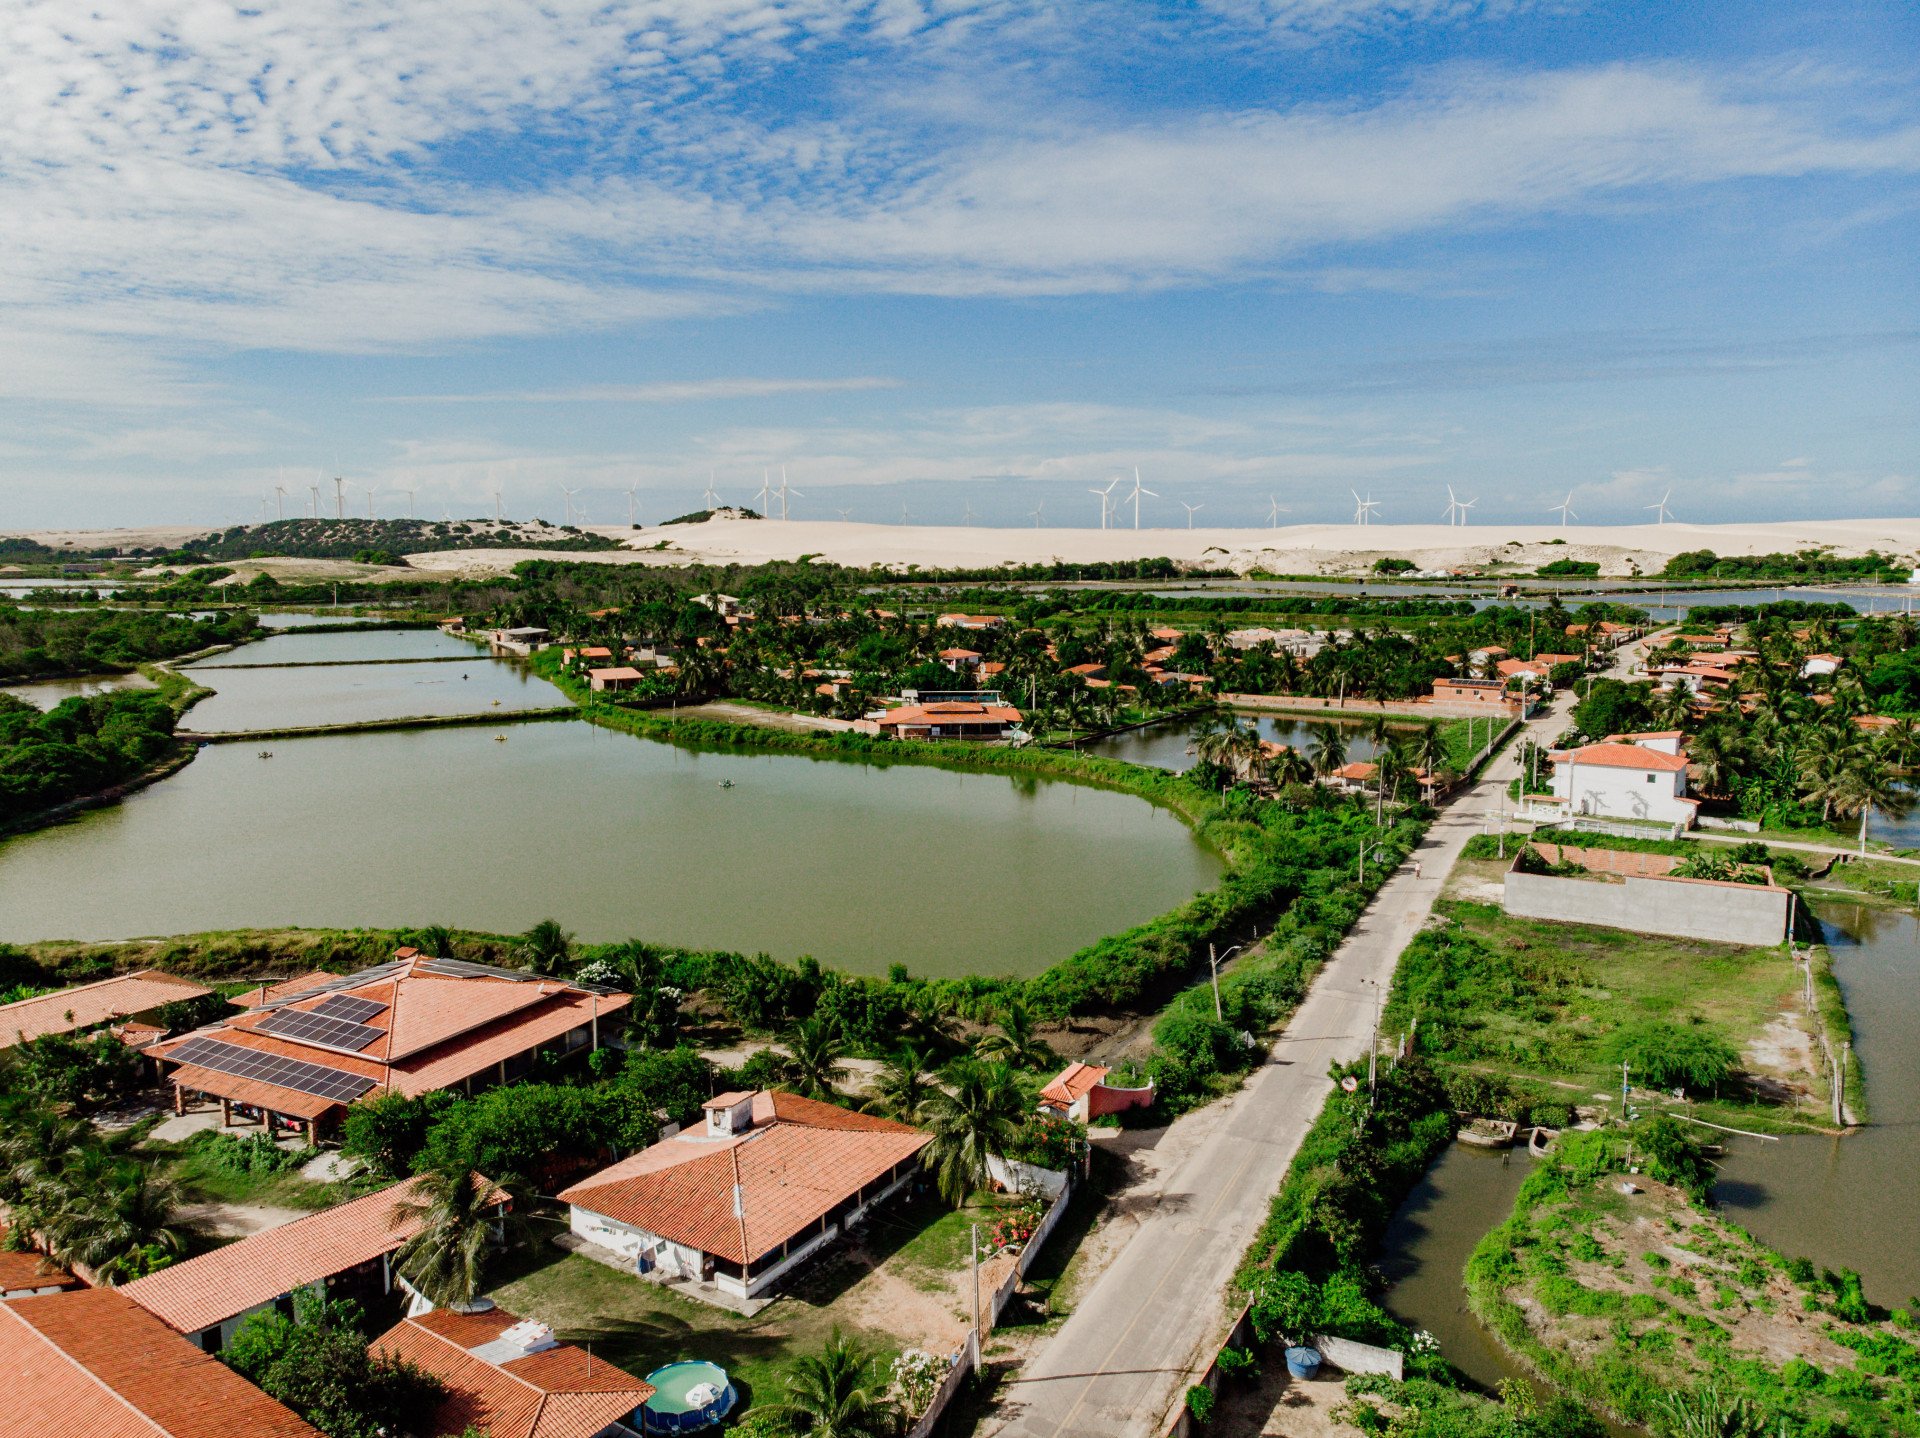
{"type": "Point", "coordinates": [966, 1357]}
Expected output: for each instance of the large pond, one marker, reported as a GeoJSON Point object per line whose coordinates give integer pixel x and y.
{"type": "Point", "coordinates": [1847, 1202]}
{"type": "Point", "coordinates": [858, 864]}
{"type": "Point", "coordinates": [1167, 746]}
{"type": "Point", "coordinates": [46, 693]}
{"type": "Point", "coordinates": [399, 674]}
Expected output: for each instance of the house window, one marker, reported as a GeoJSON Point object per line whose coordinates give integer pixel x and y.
{"type": "Point", "coordinates": [1652, 777]}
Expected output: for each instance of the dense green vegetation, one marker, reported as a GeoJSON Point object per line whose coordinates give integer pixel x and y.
{"type": "Point", "coordinates": [1569, 569]}
{"type": "Point", "coordinates": [36, 642]}
{"type": "Point", "coordinates": [1806, 565]}
{"type": "Point", "coordinates": [316, 1361]}
{"type": "Point", "coordinates": [1642, 1301]}
{"type": "Point", "coordinates": [352, 538]}
{"type": "Point", "coordinates": [81, 746]}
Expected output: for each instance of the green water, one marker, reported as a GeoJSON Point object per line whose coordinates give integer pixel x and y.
{"type": "Point", "coordinates": [860, 865]}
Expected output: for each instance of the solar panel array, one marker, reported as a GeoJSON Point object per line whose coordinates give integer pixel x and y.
{"type": "Point", "coordinates": [318, 1029]}
{"type": "Point", "coordinates": [293, 1074]}
{"type": "Point", "coordinates": [346, 1006]}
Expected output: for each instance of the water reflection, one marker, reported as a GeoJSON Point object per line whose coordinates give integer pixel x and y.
{"type": "Point", "coordinates": [46, 693]}
{"type": "Point", "coordinates": [1166, 746]}
{"type": "Point", "coordinates": [862, 865]}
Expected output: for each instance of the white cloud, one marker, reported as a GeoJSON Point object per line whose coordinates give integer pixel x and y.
{"type": "Point", "coordinates": [661, 392]}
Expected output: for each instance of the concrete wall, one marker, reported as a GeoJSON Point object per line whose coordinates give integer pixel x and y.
{"type": "Point", "coordinates": [1684, 908]}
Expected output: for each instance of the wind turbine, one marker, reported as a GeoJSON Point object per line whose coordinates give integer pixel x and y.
{"type": "Point", "coordinates": [409, 494]}
{"type": "Point", "coordinates": [1104, 494]}
{"type": "Point", "coordinates": [843, 513]}
{"type": "Point", "coordinates": [339, 497]}
{"type": "Point", "coordinates": [314, 489]}
{"type": "Point", "coordinates": [1138, 490]}
{"type": "Point", "coordinates": [966, 516]}
{"type": "Point", "coordinates": [1273, 512]}
{"type": "Point", "coordinates": [566, 497]}
{"type": "Point", "coordinates": [1035, 512]}
{"type": "Point", "coordinates": [369, 489]}
{"type": "Point", "coordinates": [710, 497]}
{"type": "Point", "coordinates": [1565, 509]}
{"type": "Point", "coordinates": [905, 518]}
{"type": "Point", "coordinates": [766, 488]}
{"type": "Point", "coordinates": [1663, 514]}
{"type": "Point", "coordinates": [632, 490]}
{"type": "Point", "coordinates": [1362, 508]}
{"type": "Point", "coordinates": [499, 508]}
{"type": "Point", "coordinates": [1457, 508]}
{"type": "Point", "coordinates": [280, 499]}
{"type": "Point", "coordinates": [785, 493]}
{"type": "Point", "coordinates": [1190, 508]}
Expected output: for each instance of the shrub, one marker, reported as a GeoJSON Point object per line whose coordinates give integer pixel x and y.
{"type": "Point", "coordinates": [1200, 1402]}
{"type": "Point", "coordinates": [1668, 1055]}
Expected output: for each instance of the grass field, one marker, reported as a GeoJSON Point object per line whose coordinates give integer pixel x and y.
{"type": "Point", "coordinates": [1541, 1002]}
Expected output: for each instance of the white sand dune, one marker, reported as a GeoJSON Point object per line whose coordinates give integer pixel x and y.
{"type": "Point", "coordinates": [1329, 549]}
{"type": "Point", "coordinates": [1299, 549]}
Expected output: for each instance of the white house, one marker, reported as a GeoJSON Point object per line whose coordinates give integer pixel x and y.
{"type": "Point", "coordinates": [743, 1199]}
{"type": "Point", "coordinates": [1819, 664]}
{"type": "Point", "coordinates": [1615, 780]}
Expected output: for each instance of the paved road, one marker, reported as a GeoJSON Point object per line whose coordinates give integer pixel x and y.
{"type": "Point", "coordinates": [1120, 1365]}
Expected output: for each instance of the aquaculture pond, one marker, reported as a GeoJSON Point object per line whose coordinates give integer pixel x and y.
{"type": "Point", "coordinates": [497, 827]}
{"type": "Point", "coordinates": [1167, 746]}
{"type": "Point", "coordinates": [46, 693]}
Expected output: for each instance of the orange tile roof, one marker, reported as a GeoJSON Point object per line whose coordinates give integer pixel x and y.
{"type": "Point", "coordinates": [65, 1010]}
{"type": "Point", "coordinates": [1074, 1082]}
{"type": "Point", "coordinates": [273, 993]}
{"type": "Point", "coordinates": [436, 1030]}
{"type": "Point", "coordinates": [959, 653]}
{"type": "Point", "coordinates": [212, 1288]}
{"type": "Point", "coordinates": [1358, 770]}
{"type": "Point", "coordinates": [624, 671]}
{"type": "Point", "coordinates": [559, 1392]}
{"type": "Point", "coordinates": [1622, 756]}
{"type": "Point", "coordinates": [798, 1162]}
{"type": "Point", "coordinates": [30, 1270]}
{"type": "Point", "coordinates": [93, 1363]}
{"type": "Point", "coordinates": [950, 714]}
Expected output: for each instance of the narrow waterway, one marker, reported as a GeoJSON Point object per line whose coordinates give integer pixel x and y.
{"type": "Point", "coordinates": [1169, 745]}
{"type": "Point", "coordinates": [46, 693]}
{"type": "Point", "coordinates": [1843, 1202]}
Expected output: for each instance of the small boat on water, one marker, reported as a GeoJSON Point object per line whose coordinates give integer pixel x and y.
{"type": "Point", "coordinates": [1542, 1141]}
{"type": "Point", "coordinates": [1488, 1132]}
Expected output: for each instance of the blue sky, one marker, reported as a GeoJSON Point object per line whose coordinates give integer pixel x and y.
{"type": "Point", "coordinates": [941, 255]}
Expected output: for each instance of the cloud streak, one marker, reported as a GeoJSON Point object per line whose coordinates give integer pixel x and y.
{"type": "Point", "coordinates": [660, 392]}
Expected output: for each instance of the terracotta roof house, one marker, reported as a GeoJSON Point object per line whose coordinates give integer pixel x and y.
{"type": "Point", "coordinates": [24, 1274]}
{"type": "Point", "coordinates": [947, 719]}
{"type": "Point", "coordinates": [67, 1011]}
{"type": "Point", "coordinates": [411, 1025]}
{"type": "Point", "coordinates": [958, 659]}
{"type": "Point", "coordinates": [613, 680]}
{"type": "Point", "coordinates": [346, 1250]}
{"type": "Point", "coordinates": [94, 1363]}
{"type": "Point", "coordinates": [739, 1202]}
{"type": "Point", "coordinates": [509, 1377]}
{"type": "Point", "coordinates": [272, 993]}
{"type": "Point", "coordinates": [1611, 780]}
{"type": "Point", "coordinates": [971, 621]}
{"type": "Point", "coordinates": [1080, 1091]}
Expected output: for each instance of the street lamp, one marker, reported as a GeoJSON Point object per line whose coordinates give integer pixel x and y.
{"type": "Point", "coordinates": [1366, 849]}
{"type": "Point", "coordinates": [1213, 963]}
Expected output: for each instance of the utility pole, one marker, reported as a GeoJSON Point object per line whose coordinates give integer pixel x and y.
{"type": "Point", "coordinates": [1213, 964]}
{"type": "Point", "coordinates": [973, 1247]}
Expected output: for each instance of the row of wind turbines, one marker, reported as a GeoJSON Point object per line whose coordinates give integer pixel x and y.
{"type": "Point", "coordinates": [1456, 512]}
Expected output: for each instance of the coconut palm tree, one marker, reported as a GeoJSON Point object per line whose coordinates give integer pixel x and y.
{"type": "Point", "coordinates": [976, 1113]}
{"type": "Point", "coordinates": [1865, 785]}
{"type": "Point", "coordinates": [1825, 760]}
{"type": "Point", "coordinates": [1016, 1043]}
{"type": "Point", "coordinates": [546, 947]}
{"type": "Point", "coordinates": [1328, 750]}
{"type": "Point", "coordinates": [111, 1215]}
{"type": "Point", "coordinates": [813, 1069]}
{"type": "Point", "coordinates": [1290, 766]}
{"type": "Point", "coordinates": [446, 1260]}
{"type": "Point", "coordinates": [839, 1393]}
{"type": "Point", "coordinates": [902, 1085]}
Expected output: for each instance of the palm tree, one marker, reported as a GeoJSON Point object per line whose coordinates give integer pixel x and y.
{"type": "Point", "coordinates": [546, 947]}
{"type": "Point", "coordinates": [111, 1215]}
{"type": "Point", "coordinates": [446, 1259]}
{"type": "Point", "coordinates": [1825, 760]}
{"type": "Point", "coordinates": [1329, 748]}
{"type": "Point", "coordinates": [814, 1050]}
{"type": "Point", "coordinates": [1865, 785]}
{"type": "Point", "coordinates": [976, 1114]}
{"type": "Point", "coordinates": [1290, 766]}
{"type": "Point", "coordinates": [1016, 1043]}
{"type": "Point", "coordinates": [435, 940]}
{"type": "Point", "coordinates": [902, 1085]}
{"type": "Point", "coordinates": [839, 1394]}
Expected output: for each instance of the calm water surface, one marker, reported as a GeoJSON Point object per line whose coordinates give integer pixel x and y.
{"type": "Point", "coordinates": [861, 865]}
{"type": "Point", "coordinates": [315, 683]}
{"type": "Point", "coordinates": [1165, 746]}
{"type": "Point", "coordinates": [1849, 1202]}
{"type": "Point", "coordinates": [46, 693]}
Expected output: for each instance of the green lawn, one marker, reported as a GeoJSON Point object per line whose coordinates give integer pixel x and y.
{"type": "Point", "coordinates": [1545, 1000]}
{"type": "Point", "coordinates": [641, 1325]}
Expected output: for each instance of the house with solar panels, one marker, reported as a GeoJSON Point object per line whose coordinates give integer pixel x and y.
{"type": "Point", "coordinates": [297, 1058]}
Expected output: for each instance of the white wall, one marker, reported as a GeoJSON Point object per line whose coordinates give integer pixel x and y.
{"type": "Point", "coordinates": [1616, 793]}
